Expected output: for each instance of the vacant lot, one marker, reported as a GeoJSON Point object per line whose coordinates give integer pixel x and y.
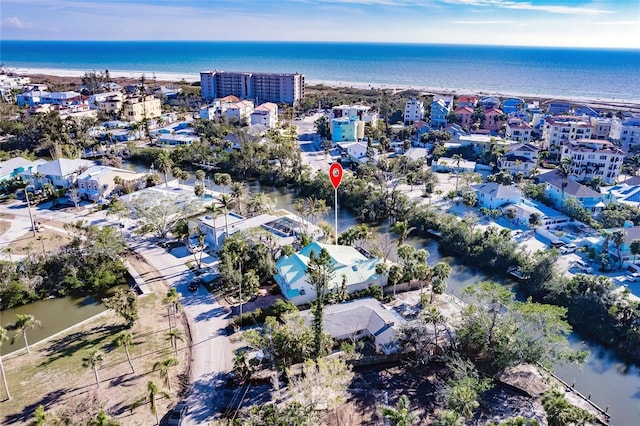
{"type": "Point", "coordinates": [53, 375]}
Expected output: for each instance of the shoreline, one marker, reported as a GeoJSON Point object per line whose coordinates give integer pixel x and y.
{"type": "Point", "coordinates": [611, 103]}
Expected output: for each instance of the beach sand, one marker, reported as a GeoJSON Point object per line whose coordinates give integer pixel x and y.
{"type": "Point", "coordinates": [132, 77]}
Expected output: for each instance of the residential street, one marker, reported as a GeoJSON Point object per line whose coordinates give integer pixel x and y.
{"type": "Point", "coordinates": [212, 351]}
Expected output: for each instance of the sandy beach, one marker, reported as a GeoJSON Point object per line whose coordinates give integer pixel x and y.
{"type": "Point", "coordinates": [632, 105]}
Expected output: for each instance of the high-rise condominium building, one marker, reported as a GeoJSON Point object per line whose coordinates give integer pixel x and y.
{"type": "Point", "coordinates": [259, 87]}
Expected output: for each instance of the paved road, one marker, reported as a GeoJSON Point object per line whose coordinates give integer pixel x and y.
{"type": "Point", "coordinates": [212, 351]}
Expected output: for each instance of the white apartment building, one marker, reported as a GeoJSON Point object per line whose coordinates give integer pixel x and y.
{"type": "Point", "coordinates": [261, 87]}
{"type": "Point", "coordinates": [558, 129]}
{"type": "Point", "coordinates": [593, 158]}
{"type": "Point", "coordinates": [626, 132]}
{"type": "Point", "coordinates": [601, 127]}
{"type": "Point", "coordinates": [413, 111]}
{"type": "Point", "coordinates": [518, 130]}
{"type": "Point", "coordinates": [266, 114]}
{"type": "Point", "coordinates": [140, 108]}
{"type": "Point", "coordinates": [240, 110]}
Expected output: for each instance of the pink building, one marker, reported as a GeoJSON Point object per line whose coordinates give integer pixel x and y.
{"type": "Point", "coordinates": [466, 116]}
{"type": "Point", "coordinates": [493, 119]}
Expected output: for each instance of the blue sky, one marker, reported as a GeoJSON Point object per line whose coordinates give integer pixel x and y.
{"type": "Point", "coordinates": [576, 23]}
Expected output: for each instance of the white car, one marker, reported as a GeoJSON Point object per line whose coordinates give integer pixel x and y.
{"type": "Point", "coordinates": [569, 248]}
{"type": "Point", "coordinates": [582, 267]}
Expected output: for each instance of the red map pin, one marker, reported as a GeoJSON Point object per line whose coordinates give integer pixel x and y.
{"type": "Point", "coordinates": [335, 173]}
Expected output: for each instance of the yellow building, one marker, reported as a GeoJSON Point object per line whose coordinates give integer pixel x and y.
{"type": "Point", "coordinates": [139, 108]}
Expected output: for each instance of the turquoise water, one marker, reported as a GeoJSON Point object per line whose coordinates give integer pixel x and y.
{"type": "Point", "coordinates": [594, 73]}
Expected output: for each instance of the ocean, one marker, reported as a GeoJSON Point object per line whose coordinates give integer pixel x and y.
{"type": "Point", "coordinates": [612, 74]}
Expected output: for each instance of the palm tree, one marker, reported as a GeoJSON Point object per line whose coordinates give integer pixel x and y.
{"type": "Point", "coordinates": [4, 336]}
{"type": "Point", "coordinates": [457, 158]}
{"type": "Point", "coordinates": [402, 230]}
{"type": "Point", "coordinates": [395, 275]}
{"type": "Point", "coordinates": [511, 212]}
{"type": "Point", "coordinates": [102, 419]}
{"type": "Point", "coordinates": [175, 335]}
{"type": "Point", "coordinates": [24, 323]}
{"type": "Point", "coordinates": [441, 273]}
{"type": "Point", "coordinates": [320, 209]}
{"type": "Point", "coordinates": [125, 339]}
{"type": "Point", "coordinates": [564, 170]}
{"type": "Point", "coordinates": [94, 359]}
{"type": "Point", "coordinates": [200, 175]}
{"type": "Point", "coordinates": [163, 369]}
{"type": "Point", "coordinates": [260, 203]}
{"type": "Point", "coordinates": [618, 239]}
{"type": "Point", "coordinates": [239, 194]}
{"type": "Point", "coordinates": [153, 390]}
{"type": "Point", "coordinates": [401, 415]}
{"type": "Point", "coordinates": [172, 300]}
{"type": "Point", "coordinates": [226, 202]}
{"type": "Point", "coordinates": [163, 164]}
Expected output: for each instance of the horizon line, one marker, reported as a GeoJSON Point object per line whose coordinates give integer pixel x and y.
{"type": "Point", "coordinates": [404, 43]}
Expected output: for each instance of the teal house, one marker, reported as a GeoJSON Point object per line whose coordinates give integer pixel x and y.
{"type": "Point", "coordinates": [349, 266]}
{"type": "Point", "coordinates": [15, 167]}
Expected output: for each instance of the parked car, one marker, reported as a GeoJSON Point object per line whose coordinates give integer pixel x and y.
{"type": "Point", "coordinates": [194, 285]}
{"type": "Point", "coordinates": [634, 277]}
{"type": "Point", "coordinates": [176, 417]}
{"type": "Point", "coordinates": [556, 243]}
{"type": "Point", "coordinates": [581, 266]}
{"type": "Point", "coordinates": [569, 248]}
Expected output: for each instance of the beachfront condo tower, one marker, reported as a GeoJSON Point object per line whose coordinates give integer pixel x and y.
{"type": "Point", "coordinates": [259, 87]}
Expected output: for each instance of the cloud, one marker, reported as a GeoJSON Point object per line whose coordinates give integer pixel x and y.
{"type": "Point", "coordinates": [484, 22]}
{"type": "Point", "coordinates": [526, 5]}
{"type": "Point", "coordinates": [637, 22]}
{"type": "Point", "coordinates": [15, 22]}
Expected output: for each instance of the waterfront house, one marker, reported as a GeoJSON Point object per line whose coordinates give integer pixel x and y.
{"type": "Point", "coordinates": [601, 127]}
{"type": "Point", "coordinates": [556, 108]}
{"type": "Point", "coordinates": [98, 182]}
{"type": "Point", "coordinates": [361, 319]}
{"type": "Point", "coordinates": [549, 217]}
{"type": "Point", "coordinates": [586, 110]}
{"type": "Point", "coordinates": [16, 167]}
{"type": "Point", "coordinates": [349, 266]}
{"type": "Point", "coordinates": [467, 100]}
{"type": "Point", "coordinates": [512, 105]}
{"type": "Point", "coordinates": [61, 173]}
{"type": "Point", "coordinates": [361, 112]}
{"type": "Point", "coordinates": [138, 108]}
{"type": "Point", "coordinates": [31, 98]}
{"type": "Point", "coordinates": [278, 228]}
{"type": "Point", "coordinates": [488, 102]}
{"type": "Point", "coordinates": [554, 183]}
{"type": "Point", "coordinates": [493, 195]}
{"type": "Point", "coordinates": [439, 112]}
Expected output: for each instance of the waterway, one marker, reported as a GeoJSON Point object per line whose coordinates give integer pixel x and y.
{"type": "Point", "coordinates": [610, 382]}
{"type": "Point", "coordinates": [55, 315]}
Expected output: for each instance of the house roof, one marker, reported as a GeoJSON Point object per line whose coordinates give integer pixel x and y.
{"type": "Point", "coordinates": [12, 164]}
{"type": "Point", "coordinates": [573, 188]}
{"type": "Point", "coordinates": [63, 167]}
{"type": "Point", "coordinates": [351, 317]}
{"type": "Point", "coordinates": [516, 123]}
{"type": "Point", "coordinates": [462, 109]}
{"type": "Point", "coordinates": [631, 233]}
{"type": "Point", "coordinates": [346, 261]}
{"type": "Point", "coordinates": [467, 99]}
{"type": "Point", "coordinates": [496, 190]}
{"type": "Point", "coordinates": [100, 173]}
{"type": "Point", "coordinates": [526, 147]}
{"type": "Point", "coordinates": [415, 154]}
{"type": "Point", "coordinates": [267, 106]}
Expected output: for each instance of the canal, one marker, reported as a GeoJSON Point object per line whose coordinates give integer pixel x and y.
{"type": "Point", "coordinates": [610, 382]}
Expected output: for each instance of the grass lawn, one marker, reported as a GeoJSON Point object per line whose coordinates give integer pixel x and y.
{"type": "Point", "coordinates": [53, 374]}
